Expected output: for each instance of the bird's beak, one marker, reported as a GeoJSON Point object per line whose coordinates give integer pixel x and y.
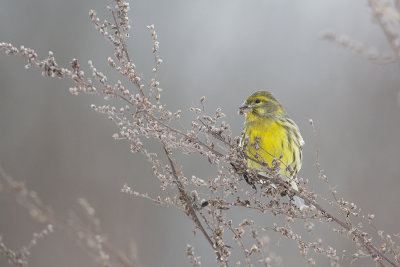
{"type": "Point", "coordinates": [243, 109]}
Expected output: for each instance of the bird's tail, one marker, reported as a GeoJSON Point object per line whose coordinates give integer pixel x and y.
{"type": "Point", "coordinates": [298, 201]}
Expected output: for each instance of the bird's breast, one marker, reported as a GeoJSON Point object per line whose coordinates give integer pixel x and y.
{"type": "Point", "coordinates": [272, 142]}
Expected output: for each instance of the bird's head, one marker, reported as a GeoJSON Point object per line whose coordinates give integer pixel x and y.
{"type": "Point", "coordinates": [261, 104]}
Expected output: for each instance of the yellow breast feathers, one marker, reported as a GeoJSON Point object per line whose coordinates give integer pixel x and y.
{"type": "Point", "coordinates": [274, 139]}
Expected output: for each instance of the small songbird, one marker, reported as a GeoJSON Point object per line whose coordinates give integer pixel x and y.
{"type": "Point", "coordinates": [272, 136]}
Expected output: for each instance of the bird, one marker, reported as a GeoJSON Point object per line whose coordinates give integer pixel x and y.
{"type": "Point", "coordinates": [269, 135]}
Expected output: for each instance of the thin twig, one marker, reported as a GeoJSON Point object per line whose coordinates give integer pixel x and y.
{"type": "Point", "coordinates": [189, 203]}
{"type": "Point", "coordinates": [124, 47]}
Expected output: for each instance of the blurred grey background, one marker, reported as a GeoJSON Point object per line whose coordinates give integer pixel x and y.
{"type": "Point", "coordinates": [223, 50]}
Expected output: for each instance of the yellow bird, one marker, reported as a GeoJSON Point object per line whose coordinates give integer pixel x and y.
{"type": "Point", "coordinates": [271, 135]}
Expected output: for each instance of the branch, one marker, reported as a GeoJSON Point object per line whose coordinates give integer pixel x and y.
{"type": "Point", "coordinates": [189, 203]}
{"type": "Point", "coordinates": [372, 250]}
{"type": "Point", "coordinates": [376, 7]}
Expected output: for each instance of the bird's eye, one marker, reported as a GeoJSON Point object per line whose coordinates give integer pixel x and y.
{"type": "Point", "coordinates": [258, 100]}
